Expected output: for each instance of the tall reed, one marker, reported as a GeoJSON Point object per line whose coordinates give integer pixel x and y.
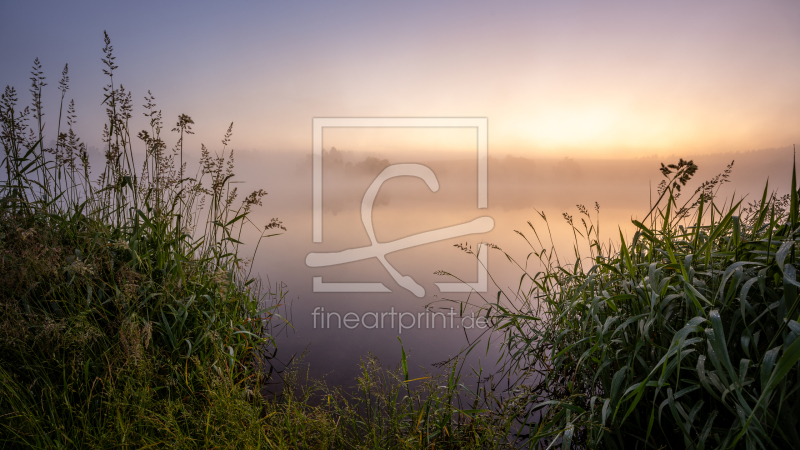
{"type": "Point", "coordinates": [123, 322]}
{"type": "Point", "coordinates": [684, 336]}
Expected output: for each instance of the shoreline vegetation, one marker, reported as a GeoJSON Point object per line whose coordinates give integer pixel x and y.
{"type": "Point", "coordinates": [130, 319]}
{"type": "Point", "coordinates": [683, 337]}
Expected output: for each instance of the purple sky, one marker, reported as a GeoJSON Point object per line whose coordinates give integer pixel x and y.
{"type": "Point", "coordinates": [588, 78]}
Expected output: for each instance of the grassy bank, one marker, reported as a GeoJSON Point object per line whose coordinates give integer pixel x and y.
{"type": "Point", "coordinates": [128, 317]}
{"type": "Point", "coordinates": [684, 336]}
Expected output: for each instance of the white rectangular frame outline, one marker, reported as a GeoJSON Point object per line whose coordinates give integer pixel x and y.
{"type": "Point", "coordinates": [320, 123]}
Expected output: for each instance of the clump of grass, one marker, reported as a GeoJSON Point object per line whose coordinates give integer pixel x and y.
{"type": "Point", "coordinates": [387, 410]}
{"type": "Point", "coordinates": [685, 336]}
{"type": "Point", "coordinates": [123, 322]}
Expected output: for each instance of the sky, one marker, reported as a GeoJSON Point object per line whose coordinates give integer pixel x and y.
{"type": "Point", "coordinates": [598, 79]}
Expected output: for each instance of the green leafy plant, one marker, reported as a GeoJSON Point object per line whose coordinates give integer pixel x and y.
{"type": "Point", "coordinates": [685, 336]}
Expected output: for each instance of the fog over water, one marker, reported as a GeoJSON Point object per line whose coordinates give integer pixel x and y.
{"type": "Point", "coordinates": [518, 188]}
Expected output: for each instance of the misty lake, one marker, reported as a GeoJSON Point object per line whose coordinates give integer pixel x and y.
{"type": "Point", "coordinates": [519, 188]}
